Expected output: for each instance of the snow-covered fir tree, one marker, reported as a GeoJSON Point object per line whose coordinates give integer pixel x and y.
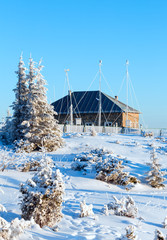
{"type": "Point", "coordinates": [155, 175]}
{"type": "Point", "coordinates": [20, 113]}
{"type": "Point", "coordinates": [42, 196]}
{"type": "Point", "coordinates": [41, 127]}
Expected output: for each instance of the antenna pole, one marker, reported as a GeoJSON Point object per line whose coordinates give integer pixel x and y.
{"type": "Point", "coordinates": [127, 86]}
{"type": "Point", "coordinates": [100, 63]}
{"type": "Point", "coordinates": [69, 91]}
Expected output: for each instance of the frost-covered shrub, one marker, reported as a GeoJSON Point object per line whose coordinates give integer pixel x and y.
{"type": "Point", "coordinates": [78, 166]}
{"type": "Point", "coordinates": [36, 163]}
{"type": "Point", "coordinates": [89, 158]}
{"type": "Point", "coordinates": [5, 233]}
{"type": "Point", "coordinates": [10, 231]}
{"type": "Point", "coordinates": [130, 233]}
{"type": "Point", "coordinates": [105, 210]}
{"type": "Point", "coordinates": [93, 132]}
{"type": "Point", "coordinates": [159, 235]}
{"type": "Point", "coordinates": [6, 158]}
{"type": "Point", "coordinates": [42, 197]}
{"type": "Point", "coordinates": [2, 208]}
{"type": "Point", "coordinates": [3, 222]}
{"type": "Point", "coordinates": [147, 134]}
{"type": "Point", "coordinates": [137, 143]}
{"type": "Point", "coordinates": [100, 152]}
{"type": "Point", "coordinates": [86, 210]}
{"type": "Point", "coordinates": [111, 170]}
{"type": "Point", "coordinates": [165, 222]}
{"type": "Point", "coordinates": [124, 207]}
{"type": "Point", "coordinates": [20, 161]}
{"type": "Point", "coordinates": [94, 155]}
{"type": "Point", "coordinates": [108, 168]}
{"type": "Point", "coordinates": [155, 175]}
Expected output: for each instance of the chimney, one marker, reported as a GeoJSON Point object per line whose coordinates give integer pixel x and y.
{"type": "Point", "coordinates": [116, 98]}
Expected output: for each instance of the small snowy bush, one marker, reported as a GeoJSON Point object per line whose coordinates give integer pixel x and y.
{"type": "Point", "coordinates": [82, 160]}
{"type": "Point", "coordinates": [124, 207]}
{"type": "Point", "coordinates": [86, 210]}
{"type": "Point", "coordinates": [6, 159]}
{"type": "Point", "coordinates": [20, 161]}
{"type": "Point", "coordinates": [147, 134]}
{"type": "Point", "coordinates": [130, 233]}
{"type": "Point", "coordinates": [94, 155]}
{"type": "Point", "coordinates": [165, 222]}
{"type": "Point", "coordinates": [105, 210]}
{"type": "Point", "coordinates": [42, 197]}
{"type": "Point", "coordinates": [111, 170]}
{"type": "Point", "coordinates": [159, 235]}
{"type": "Point", "coordinates": [10, 231]}
{"type": "Point", "coordinates": [78, 166]}
{"type": "Point", "coordinates": [100, 152]}
{"type": "Point", "coordinates": [108, 168]}
{"type": "Point", "coordinates": [93, 133]}
{"type": "Point", "coordinates": [2, 208]}
{"type": "Point", "coordinates": [35, 163]}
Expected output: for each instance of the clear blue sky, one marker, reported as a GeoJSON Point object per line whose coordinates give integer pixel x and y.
{"type": "Point", "coordinates": [76, 34]}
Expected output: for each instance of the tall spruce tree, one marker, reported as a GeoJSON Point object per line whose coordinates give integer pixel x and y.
{"type": "Point", "coordinates": [33, 126]}
{"type": "Point", "coordinates": [20, 104]}
{"type": "Point", "coordinates": [42, 128]}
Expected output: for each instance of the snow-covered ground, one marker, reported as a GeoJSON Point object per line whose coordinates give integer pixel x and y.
{"type": "Point", "coordinates": [82, 185]}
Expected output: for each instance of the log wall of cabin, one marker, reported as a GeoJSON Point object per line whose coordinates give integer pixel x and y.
{"type": "Point", "coordinates": [115, 118]}
{"type": "Point", "coordinates": [133, 117]}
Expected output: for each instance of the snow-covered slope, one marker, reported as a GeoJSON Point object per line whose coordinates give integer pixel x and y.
{"type": "Point", "coordinates": [82, 186]}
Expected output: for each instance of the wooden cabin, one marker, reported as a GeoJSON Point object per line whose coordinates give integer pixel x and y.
{"type": "Point", "coordinates": [85, 108]}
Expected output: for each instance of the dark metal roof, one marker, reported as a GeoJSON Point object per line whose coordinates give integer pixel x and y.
{"type": "Point", "coordinates": [88, 102]}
